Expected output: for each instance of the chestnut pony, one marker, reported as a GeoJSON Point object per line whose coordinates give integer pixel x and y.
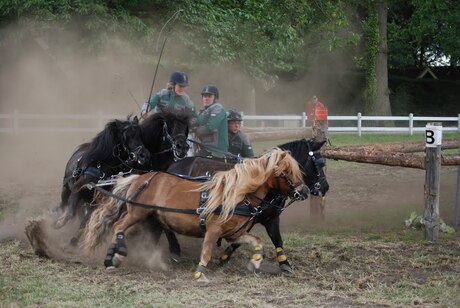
{"type": "Point", "coordinates": [222, 207]}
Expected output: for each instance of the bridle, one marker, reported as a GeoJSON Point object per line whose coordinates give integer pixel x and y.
{"type": "Point", "coordinates": [318, 164]}
{"type": "Point", "coordinates": [173, 143]}
{"type": "Point", "coordinates": [293, 192]}
{"type": "Point", "coordinates": [133, 154]}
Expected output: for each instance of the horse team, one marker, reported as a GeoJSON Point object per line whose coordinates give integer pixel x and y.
{"type": "Point", "coordinates": [150, 178]}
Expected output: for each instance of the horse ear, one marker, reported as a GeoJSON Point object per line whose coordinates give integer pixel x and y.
{"type": "Point", "coordinates": [321, 143]}
{"type": "Point", "coordinates": [136, 120]}
{"type": "Point", "coordinates": [316, 145]}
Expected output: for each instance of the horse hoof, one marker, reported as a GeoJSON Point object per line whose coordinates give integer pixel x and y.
{"type": "Point", "coordinates": [253, 265]}
{"type": "Point", "coordinates": [286, 269]}
{"type": "Point", "coordinates": [110, 269]}
{"type": "Point", "coordinates": [203, 280]}
{"type": "Point", "coordinates": [174, 258]}
{"type": "Point", "coordinates": [117, 259]}
{"type": "Point", "coordinates": [60, 222]}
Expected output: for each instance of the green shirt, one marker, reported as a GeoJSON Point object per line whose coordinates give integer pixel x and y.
{"type": "Point", "coordinates": [212, 128]}
{"type": "Point", "coordinates": [239, 144]}
{"type": "Point", "coordinates": [167, 100]}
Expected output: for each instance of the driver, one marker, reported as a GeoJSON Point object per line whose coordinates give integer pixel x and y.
{"type": "Point", "coordinates": [172, 99]}
{"type": "Point", "coordinates": [238, 141]}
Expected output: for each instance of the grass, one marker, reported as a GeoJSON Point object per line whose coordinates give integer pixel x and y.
{"type": "Point", "coordinates": [330, 270]}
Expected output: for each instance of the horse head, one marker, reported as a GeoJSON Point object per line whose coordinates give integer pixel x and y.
{"type": "Point", "coordinates": [313, 168]}
{"type": "Point", "coordinates": [175, 131]}
{"type": "Point", "coordinates": [131, 143]}
{"type": "Point", "coordinates": [311, 162]}
{"type": "Point", "coordinates": [287, 175]}
{"type": "Point", "coordinates": [165, 136]}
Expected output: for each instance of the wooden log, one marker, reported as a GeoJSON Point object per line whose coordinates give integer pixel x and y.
{"type": "Point", "coordinates": [404, 147]}
{"type": "Point", "coordinates": [389, 159]}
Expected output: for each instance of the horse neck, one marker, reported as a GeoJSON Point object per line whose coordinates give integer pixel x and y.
{"type": "Point", "coordinates": [256, 197]}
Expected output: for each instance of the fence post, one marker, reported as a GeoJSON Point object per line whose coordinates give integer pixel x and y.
{"type": "Point", "coordinates": [304, 119]}
{"type": "Point", "coordinates": [359, 124]}
{"type": "Point", "coordinates": [458, 125]}
{"type": "Point", "coordinates": [242, 117]}
{"type": "Point", "coordinates": [411, 124]}
{"type": "Point", "coordinates": [433, 139]}
{"type": "Point", "coordinates": [457, 198]}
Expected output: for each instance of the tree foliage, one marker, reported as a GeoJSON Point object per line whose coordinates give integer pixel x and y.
{"type": "Point", "coordinates": [424, 32]}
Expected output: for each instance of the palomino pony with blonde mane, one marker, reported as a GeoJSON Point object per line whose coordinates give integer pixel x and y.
{"type": "Point", "coordinates": [223, 207]}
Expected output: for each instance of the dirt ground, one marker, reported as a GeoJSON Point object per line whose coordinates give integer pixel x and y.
{"type": "Point", "coordinates": [360, 196]}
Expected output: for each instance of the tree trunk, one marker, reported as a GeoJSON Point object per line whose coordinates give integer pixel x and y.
{"type": "Point", "coordinates": [383, 93]}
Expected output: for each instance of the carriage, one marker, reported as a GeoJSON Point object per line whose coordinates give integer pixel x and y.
{"type": "Point", "coordinates": [224, 206]}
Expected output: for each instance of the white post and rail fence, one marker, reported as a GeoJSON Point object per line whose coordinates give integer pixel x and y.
{"type": "Point", "coordinates": [31, 122]}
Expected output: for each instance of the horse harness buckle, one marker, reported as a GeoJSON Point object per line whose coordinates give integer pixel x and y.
{"type": "Point", "coordinates": [203, 198]}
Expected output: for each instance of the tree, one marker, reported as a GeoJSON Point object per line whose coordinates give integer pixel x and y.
{"type": "Point", "coordinates": [382, 106]}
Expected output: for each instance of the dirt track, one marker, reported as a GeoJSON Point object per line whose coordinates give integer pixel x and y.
{"type": "Point", "coordinates": [361, 195]}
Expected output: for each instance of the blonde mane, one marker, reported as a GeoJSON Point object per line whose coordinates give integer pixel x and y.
{"type": "Point", "coordinates": [228, 188]}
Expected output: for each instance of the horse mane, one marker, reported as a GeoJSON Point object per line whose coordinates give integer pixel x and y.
{"type": "Point", "coordinates": [296, 147]}
{"type": "Point", "coordinates": [229, 188]}
{"type": "Point", "coordinates": [102, 146]}
{"type": "Point", "coordinates": [152, 128]}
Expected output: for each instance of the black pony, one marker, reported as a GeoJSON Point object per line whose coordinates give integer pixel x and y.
{"type": "Point", "coordinates": [121, 148]}
{"type": "Point", "coordinates": [115, 149]}
{"type": "Point", "coordinates": [307, 154]}
{"type": "Point", "coordinates": [165, 135]}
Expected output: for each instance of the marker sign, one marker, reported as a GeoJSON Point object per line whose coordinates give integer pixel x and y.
{"type": "Point", "coordinates": [433, 136]}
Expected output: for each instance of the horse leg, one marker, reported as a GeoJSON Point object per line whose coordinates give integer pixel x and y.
{"type": "Point", "coordinates": [257, 257]}
{"type": "Point", "coordinates": [174, 246]}
{"type": "Point", "coordinates": [225, 257]}
{"type": "Point", "coordinates": [209, 243]}
{"type": "Point", "coordinates": [86, 216]}
{"type": "Point", "coordinates": [273, 230]}
{"type": "Point", "coordinates": [117, 250]}
{"type": "Point", "coordinates": [69, 211]}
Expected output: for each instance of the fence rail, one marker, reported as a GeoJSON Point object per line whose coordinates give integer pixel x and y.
{"type": "Point", "coordinates": [90, 123]}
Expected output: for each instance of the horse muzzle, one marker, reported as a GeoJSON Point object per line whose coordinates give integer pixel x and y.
{"type": "Point", "coordinates": [301, 194]}
{"type": "Point", "coordinates": [141, 155]}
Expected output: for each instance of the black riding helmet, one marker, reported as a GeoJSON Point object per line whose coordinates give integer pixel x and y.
{"type": "Point", "coordinates": [179, 78]}
{"type": "Point", "coordinates": [234, 115]}
{"type": "Point", "coordinates": [210, 89]}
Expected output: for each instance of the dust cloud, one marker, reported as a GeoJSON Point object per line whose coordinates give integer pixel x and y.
{"type": "Point", "coordinates": [52, 74]}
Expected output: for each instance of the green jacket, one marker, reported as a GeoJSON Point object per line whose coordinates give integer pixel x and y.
{"type": "Point", "coordinates": [239, 144]}
{"type": "Point", "coordinates": [167, 100]}
{"type": "Point", "coordinates": [212, 127]}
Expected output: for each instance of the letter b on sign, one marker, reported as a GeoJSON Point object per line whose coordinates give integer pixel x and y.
{"type": "Point", "coordinates": [433, 135]}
